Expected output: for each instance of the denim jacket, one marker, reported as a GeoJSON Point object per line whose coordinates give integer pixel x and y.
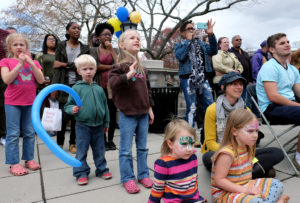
{"type": "Point", "coordinates": [182, 48]}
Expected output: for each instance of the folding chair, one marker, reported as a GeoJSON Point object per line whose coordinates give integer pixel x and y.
{"type": "Point", "coordinates": [252, 92]}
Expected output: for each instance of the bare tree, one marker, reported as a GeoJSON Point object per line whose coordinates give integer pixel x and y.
{"type": "Point", "coordinates": [51, 16]}
{"type": "Point", "coordinates": [159, 14]}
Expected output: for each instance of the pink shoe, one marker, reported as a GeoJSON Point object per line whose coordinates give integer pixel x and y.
{"type": "Point", "coordinates": [131, 187]}
{"type": "Point", "coordinates": [82, 181]}
{"type": "Point", "coordinates": [106, 176]}
{"type": "Point", "coordinates": [146, 182]}
{"type": "Point", "coordinates": [32, 165]}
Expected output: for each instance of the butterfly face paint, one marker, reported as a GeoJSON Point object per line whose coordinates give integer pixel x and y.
{"type": "Point", "coordinates": [186, 141]}
{"type": "Point", "coordinates": [248, 129]}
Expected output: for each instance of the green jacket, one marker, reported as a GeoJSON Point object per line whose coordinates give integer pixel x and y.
{"type": "Point", "coordinates": [94, 110]}
{"type": "Point", "coordinates": [60, 75]}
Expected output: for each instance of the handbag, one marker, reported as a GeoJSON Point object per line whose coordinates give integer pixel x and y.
{"type": "Point", "coordinates": [52, 118]}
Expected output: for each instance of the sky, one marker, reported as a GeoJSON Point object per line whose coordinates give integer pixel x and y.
{"type": "Point", "coordinates": [254, 21]}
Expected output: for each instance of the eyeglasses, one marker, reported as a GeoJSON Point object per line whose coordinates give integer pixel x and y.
{"type": "Point", "coordinates": [106, 34]}
{"type": "Point", "coordinates": [190, 29]}
{"type": "Point", "coordinates": [238, 40]}
{"type": "Point", "coordinates": [51, 39]}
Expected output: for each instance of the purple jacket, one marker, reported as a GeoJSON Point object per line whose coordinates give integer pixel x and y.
{"type": "Point", "coordinates": [258, 59]}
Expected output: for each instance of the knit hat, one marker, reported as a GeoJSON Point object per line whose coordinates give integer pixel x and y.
{"type": "Point", "coordinates": [263, 44]}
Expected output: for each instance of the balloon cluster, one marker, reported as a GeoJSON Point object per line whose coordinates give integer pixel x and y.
{"type": "Point", "coordinates": [123, 16]}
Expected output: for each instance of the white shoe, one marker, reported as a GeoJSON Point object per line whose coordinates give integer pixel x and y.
{"type": "Point", "coordinates": [2, 141]}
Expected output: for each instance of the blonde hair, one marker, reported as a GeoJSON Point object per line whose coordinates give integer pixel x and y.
{"type": "Point", "coordinates": [172, 129]}
{"type": "Point", "coordinates": [84, 60]}
{"type": "Point", "coordinates": [237, 119]}
{"type": "Point", "coordinates": [125, 56]}
{"type": "Point", "coordinates": [10, 39]}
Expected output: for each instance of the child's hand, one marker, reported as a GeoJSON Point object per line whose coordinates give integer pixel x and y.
{"type": "Point", "coordinates": [105, 130]}
{"type": "Point", "coordinates": [132, 70]}
{"type": "Point", "coordinates": [22, 58]}
{"type": "Point", "coordinates": [29, 60]}
{"type": "Point", "coordinates": [151, 115]}
{"type": "Point", "coordinates": [254, 190]}
{"type": "Point", "coordinates": [75, 109]}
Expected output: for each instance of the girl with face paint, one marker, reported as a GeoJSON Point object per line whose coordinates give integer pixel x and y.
{"type": "Point", "coordinates": [177, 165]}
{"type": "Point", "coordinates": [232, 165]}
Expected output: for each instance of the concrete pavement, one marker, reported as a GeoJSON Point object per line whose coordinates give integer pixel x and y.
{"type": "Point", "coordinates": [55, 183]}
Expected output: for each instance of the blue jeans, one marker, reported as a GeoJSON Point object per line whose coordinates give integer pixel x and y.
{"type": "Point", "coordinates": [18, 117]}
{"type": "Point", "coordinates": [205, 98]}
{"type": "Point", "coordinates": [86, 136]}
{"type": "Point", "coordinates": [130, 125]}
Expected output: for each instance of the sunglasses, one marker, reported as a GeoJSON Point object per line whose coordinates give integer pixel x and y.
{"type": "Point", "coordinates": [238, 40]}
{"type": "Point", "coordinates": [190, 29]}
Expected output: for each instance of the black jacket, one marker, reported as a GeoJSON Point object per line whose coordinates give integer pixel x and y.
{"type": "Point", "coordinates": [60, 75]}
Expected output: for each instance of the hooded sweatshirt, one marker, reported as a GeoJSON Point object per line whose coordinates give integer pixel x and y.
{"type": "Point", "coordinates": [94, 110]}
{"type": "Point", "coordinates": [258, 59]}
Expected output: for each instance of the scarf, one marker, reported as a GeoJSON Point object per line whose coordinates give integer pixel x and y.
{"type": "Point", "coordinates": [223, 109]}
{"type": "Point", "coordinates": [197, 78]}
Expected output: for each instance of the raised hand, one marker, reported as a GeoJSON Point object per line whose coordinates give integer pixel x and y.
{"type": "Point", "coordinates": [132, 70]}
{"type": "Point", "coordinates": [210, 26]}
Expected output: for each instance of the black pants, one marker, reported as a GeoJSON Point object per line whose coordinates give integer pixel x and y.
{"type": "Point", "coordinates": [268, 157]}
{"type": "Point", "coordinates": [112, 118]}
{"type": "Point", "coordinates": [2, 111]}
{"type": "Point", "coordinates": [61, 134]}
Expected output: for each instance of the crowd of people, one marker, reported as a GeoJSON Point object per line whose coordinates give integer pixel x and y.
{"type": "Point", "coordinates": [213, 78]}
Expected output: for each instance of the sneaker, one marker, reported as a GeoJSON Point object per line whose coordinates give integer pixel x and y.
{"type": "Point", "coordinates": [146, 182]}
{"type": "Point", "coordinates": [131, 187]}
{"type": "Point", "coordinates": [106, 176]}
{"type": "Point", "coordinates": [296, 164]}
{"type": "Point", "coordinates": [2, 141]}
{"type": "Point", "coordinates": [106, 146]}
{"type": "Point", "coordinates": [271, 173]}
{"type": "Point", "coordinates": [82, 181]}
{"type": "Point", "coordinates": [72, 148]}
{"type": "Point", "coordinates": [112, 145]}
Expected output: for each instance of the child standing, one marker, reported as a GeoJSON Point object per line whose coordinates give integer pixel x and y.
{"type": "Point", "coordinates": [175, 176]}
{"type": "Point", "coordinates": [232, 165]}
{"type": "Point", "coordinates": [20, 73]}
{"type": "Point", "coordinates": [92, 120]}
{"type": "Point", "coordinates": [131, 93]}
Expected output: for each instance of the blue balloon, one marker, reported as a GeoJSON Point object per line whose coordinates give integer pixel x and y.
{"type": "Point", "coordinates": [37, 125]}
{"type": "Point", "coordinates": [118, 34]}
{"type": "Point", "coordinates": [122, 14]}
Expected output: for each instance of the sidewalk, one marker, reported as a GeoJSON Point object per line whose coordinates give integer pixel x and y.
{"type": "Point", "coordinates": [55, 183]}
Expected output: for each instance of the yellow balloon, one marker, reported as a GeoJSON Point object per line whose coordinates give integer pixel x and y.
{"type": "Point", "coordinates": [116, 23]}
{"type": "Point", "coordinates": [135, 17]}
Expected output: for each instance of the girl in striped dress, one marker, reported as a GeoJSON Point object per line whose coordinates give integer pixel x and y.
{"type": "Point", "coordinates": [175, 176]}
{"type": "Point", "coordinates": [232, 166]}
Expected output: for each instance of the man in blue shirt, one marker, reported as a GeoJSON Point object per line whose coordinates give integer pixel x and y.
{"type": "Point", "coordinates": [278, 83]}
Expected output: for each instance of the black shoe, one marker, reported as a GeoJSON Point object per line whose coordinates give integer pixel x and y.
{"type": "Point", "coordinates": [112, 145]}
{"type": "Point", "coordinates": [107, 148]}
{"type": "Point", "coordinates": [271, 173]}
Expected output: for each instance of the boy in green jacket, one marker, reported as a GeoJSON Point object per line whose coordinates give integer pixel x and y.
{"type": "Point", "coordinates": [92, 120]}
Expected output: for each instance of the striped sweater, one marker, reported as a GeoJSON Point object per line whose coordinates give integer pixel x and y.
{"type": "Point", "coordinates": [175, 180]}
{"type": "Point", "coordinates": [240, 173]}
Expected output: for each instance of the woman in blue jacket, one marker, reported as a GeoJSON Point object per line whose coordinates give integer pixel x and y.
{"type": "Point", "coordinates": [194, 64]}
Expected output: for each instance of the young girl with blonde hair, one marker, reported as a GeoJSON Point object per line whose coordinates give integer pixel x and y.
{"type": "Point", "coordinates": [21, 74]}
{"type": "Point", "coordinates": [175, 175]}
{"type": "Point", "coordinates": [131, 93]}
{"type": "Point", "coordinates": [232, 165]}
